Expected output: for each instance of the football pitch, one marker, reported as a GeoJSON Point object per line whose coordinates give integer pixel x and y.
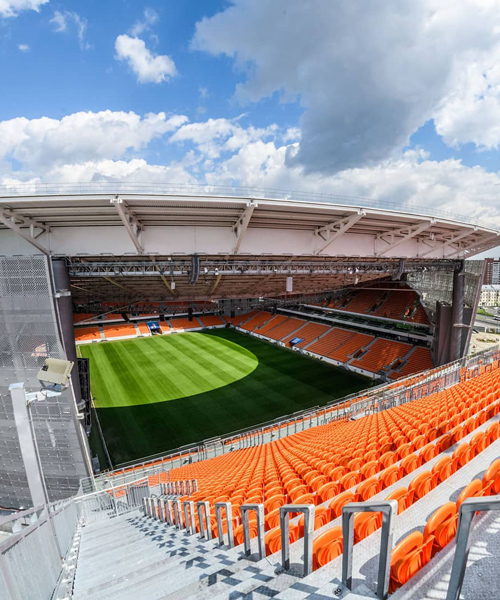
{"type": "Point", "coordinates": [158, 393]}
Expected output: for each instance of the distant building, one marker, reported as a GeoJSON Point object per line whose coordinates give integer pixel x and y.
{"type": "Point", "coordinates": [492, 271]}
{"type": "Point", "coordinates": [490, 295]}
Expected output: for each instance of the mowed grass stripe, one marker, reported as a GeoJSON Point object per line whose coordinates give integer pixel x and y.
{"type": "Point", "coordinates": [211, 384]}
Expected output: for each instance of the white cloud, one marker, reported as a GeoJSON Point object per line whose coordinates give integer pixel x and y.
{"type": "Point", "coordinates": [67, 20]}
{"type": "Point", "coordinates": [149, 67]}
{"type": "Point", "coordinates": [23, 47]}
{"type": "Point", "coordinates": [150, 18]}
{"type": "Point", "coordinates": [368, 74]}
{"type": "Point", "coordinates": [216, 136]}
{"type": "Point", "coordinates": [39, 144]}
{"type": "Point", "coordinates": [11, 8]}
{"type": "Point", "coordinates": [133, 171]}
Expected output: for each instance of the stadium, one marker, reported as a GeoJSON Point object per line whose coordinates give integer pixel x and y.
{"type": "Point", "coordinates": [272, 396]}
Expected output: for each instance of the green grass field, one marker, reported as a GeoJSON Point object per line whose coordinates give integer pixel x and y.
{"type": "Point", "coordinates": [155, 394]}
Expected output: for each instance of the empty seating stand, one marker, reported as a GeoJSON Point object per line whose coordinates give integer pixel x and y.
{"type": "Point", "coordinates": [381, 355]}
{"type": "Point", "coordinates": [212, 321]}
{"type": "Point", "coordinates": [115, 331]}
{"type": "Point", "coordinates": [184, 323]}
{"type": "Point", "coordinates": [308, 333]}
{"type": "Point", "coordinates": [85, 334]}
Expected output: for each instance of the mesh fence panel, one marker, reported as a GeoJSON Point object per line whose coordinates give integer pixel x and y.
{"type": "Point", "coordinates": [28, 335]}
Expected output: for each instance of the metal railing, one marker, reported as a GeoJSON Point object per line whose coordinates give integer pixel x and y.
{"type": "Point", "coordinates": [32, 557]}
{"type": "Point", "coordinates": [226, 191]}
{"type": "Point", "coordinates": [113, 501]}
{"type": "Point", "coordinates": [373, 400]}
{"type": "Point", "coordinates": [468, 509]}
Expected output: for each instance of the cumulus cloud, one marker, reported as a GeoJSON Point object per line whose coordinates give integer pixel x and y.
{"type": "Point", "coordinates": [216, 136]}
{"type": "Point", "coordinates": [368, 75]}
{"type": "Point", "coordinates": [115, 146]}
{"type": "Point", "coordinates": [149, 67]}
{"type": "Point", "coordinates": [67, 20]}
{"type": "Point", "coordinates": [41, 143]}
{"type": "Point", "coordinates": [11, 8]}
{"type": "Point", "coordinates": [23, 47]}
{"type": "Point", "coordinates": [134, 171]}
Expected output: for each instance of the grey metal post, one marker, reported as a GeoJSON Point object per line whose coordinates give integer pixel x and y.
{"type": "Point", "coordinates": [467, 511]}
{"type": "Point", "coordinates": [204, 507]}
{"type": "Point", "coordinates": [188, 506]}
{"type": "Point", "coordinates": [259, 509]}
{"type": "Point", "coordinates": [229, 520]}
{"type": "Point", "coordinates": [389, 509]}
{"type": "Point", "coordinates": [27, 444]}
{"type": "Point", "coordinates": [161, 510]}
{"type": "Point", "coordinates": [195, 484]}
{"type": "Point", "coordinates": [144, 506]}
{"type": "Point", "coordinates": [457, 313]}
{"type": "Point", "coordinates": [308, 511]}
{"type": "Point", "coordinates": [177, 513]}
{"type": "Point", "coordinates": [168, 511]}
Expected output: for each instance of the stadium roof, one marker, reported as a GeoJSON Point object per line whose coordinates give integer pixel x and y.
{"type": "Point", "coordinates": [232, 220]}
{"type": "Point", "coordinates": [235, 232]}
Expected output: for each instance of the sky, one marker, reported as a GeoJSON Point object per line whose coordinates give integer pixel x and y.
{"type": "Point", "coordinates": [392, 100]}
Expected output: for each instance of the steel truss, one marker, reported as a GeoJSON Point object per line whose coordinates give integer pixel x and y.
{"type": "Point", "coordinates": [183, 266]}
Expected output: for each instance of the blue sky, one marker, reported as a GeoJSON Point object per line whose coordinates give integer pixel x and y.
{"type": "Point", "coordinates": [399, 101]}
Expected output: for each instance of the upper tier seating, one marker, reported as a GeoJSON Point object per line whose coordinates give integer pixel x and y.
{"type": "Point", "coordinates": [401, 304]}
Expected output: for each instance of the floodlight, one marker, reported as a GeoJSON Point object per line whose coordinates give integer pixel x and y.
{"type": "Point", "coordinates": [54, 374]}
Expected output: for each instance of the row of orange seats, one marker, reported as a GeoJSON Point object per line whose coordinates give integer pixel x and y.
{"type": "Point", "coordinates": [417, 549]}
{"type": "Point", "coordinates": [301, 464]}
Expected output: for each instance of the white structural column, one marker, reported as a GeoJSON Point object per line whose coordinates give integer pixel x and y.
{"type": "Point", "coordinates": [130, 223]}
{"type": "Point", "coordinates": [333, 231]}
{"type": "Point", "coordinates": [28, 232]}
{"type": "Point", "coordinates": [399, 236]}
{"type": "Point", "coordinates": [444, 242]}
{"type": "Point", "coordinates": [241, 224]}
{"type": "Point", "coordinates": [27, 443]}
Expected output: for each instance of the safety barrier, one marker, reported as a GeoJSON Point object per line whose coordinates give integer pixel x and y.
{"type": "Point", "coordinates": [113, 501]}
{"type": "Point", "coordinates": [33, 556]}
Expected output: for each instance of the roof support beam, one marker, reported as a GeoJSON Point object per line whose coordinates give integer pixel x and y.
{"type": "Point", "coordinates": [241, 224]}
{"type": "Point", "coordinates": [132, 226]}
{"type": "Point", "coordinates": [216, 284]}
{"type": "Point", "coordinates": [407, 232]}
{"type": "Point", "coordinates": [110, 280]}
{"type": "Point", "coordinates": [8, 219]}
{"type": "Point", "coordinates": [477, 243]}
{"type": "Point", "coordinates": [448, 242]}
{"type": "Point", "coordinates": [333, 231]}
